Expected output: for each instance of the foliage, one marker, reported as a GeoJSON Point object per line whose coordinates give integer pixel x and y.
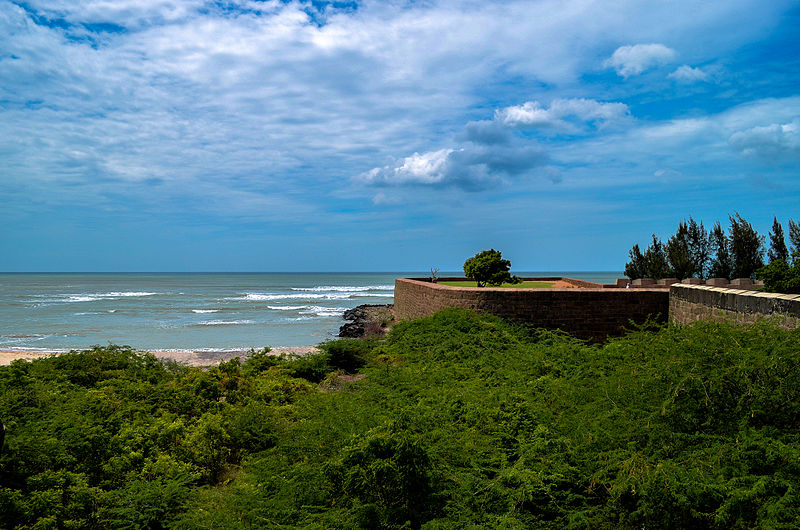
{"type": "Point", "coordinates": [722, 263]}
{"type": "Point", "coordinates": [687, 251]}
{"type": "Point", "coordinates": [699, 248]}
{"type": "Point", "coordinates": [655, 260]}
{"type": "Point", "coordinates": [777, 243]}
{"type": "Point", "coordinates": [113, 437]}
{"type": "Point", "coordinates": [458, 420]}
{"type": "Point", "coordinates": [794, 236]}
{"type": "Point", "coordinates": [685, 255]}
{"type": "Point", "coordinates": [464, 421]}
{"type": "Point", "coordinates": [636, 268]}
{"type": "Point", "coordinates": [678, 255]}
{"type": "Point", "coordinates": [489, 268]}
{"type": "Point", "coordinates": [780, 276]}
{"type": "Point", "coordinates": [746, 248]}
{"type": "Point", "coordinates": [693, 252]}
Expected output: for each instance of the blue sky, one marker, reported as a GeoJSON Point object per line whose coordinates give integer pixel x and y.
{"type": "Point", "coordinates": [187, 135]}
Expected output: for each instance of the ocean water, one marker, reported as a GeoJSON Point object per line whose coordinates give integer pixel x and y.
{"type": "Point", "coordinates": [189, 312]}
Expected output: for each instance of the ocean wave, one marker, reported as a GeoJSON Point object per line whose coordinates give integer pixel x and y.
{"type": "Point", "coordinates": [87, 297]}
{"type": "Point", "coordinates": [268, 297]}
{"type": "Point", "coordinates": [346, 288]}
{"type": "Point", "coordinates": [223, 322]}
{"type": "Point", "coordinates": [286, 307]}
{"type": "Point", "coordinates": [379, 295]}
{"type": "Point", "coordinates": [321, 311]}
{"type": "Point", "coordinates": [205, 310]}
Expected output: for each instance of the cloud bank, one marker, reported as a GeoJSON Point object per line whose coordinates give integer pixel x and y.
{"type": "Point", "coordinates": [494, 151]}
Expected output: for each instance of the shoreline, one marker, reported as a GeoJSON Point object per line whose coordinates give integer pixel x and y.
{"type": "Point", "coordinates": [196, 357]}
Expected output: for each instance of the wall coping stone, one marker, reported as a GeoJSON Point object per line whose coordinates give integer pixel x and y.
{"type": "Point", "coordinates": [599, 287]}
{"type": "Point", "coordinates": [736, 299]}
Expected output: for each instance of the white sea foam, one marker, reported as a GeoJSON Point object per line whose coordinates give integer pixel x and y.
{"type": "Point", "coordinates": [205, 310]}
{"type": "Point", "coordinates": [224, 322]}
{"type": "Point", "coordinates": [259, 297]}
{"type": "Point", "coordinates": [321, 311]}
{"type": "Point", "coordinates": [346, 288]}
{"type": "Point", "coordinates": [86, 297]}
{"type": "Point", "coordinates": [379, 295]}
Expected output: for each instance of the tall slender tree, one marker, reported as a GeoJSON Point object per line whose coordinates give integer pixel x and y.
{"type": "Point", "coordinates": [678, 255]}
{"type": "Point", "coordinates": [698, 248]}
{"type": "Point", "coordinates": [637, 267]}
{"type": "Point", "coordinates": [721, 264]}
{"type": "Point", "coordinates": [794, 237]}
{"type": "Point", "coordinates": [747, 247]}
{"type": "Point", "coordinates": [656, 260]}
{"type": "Point", "coordinates": [777, 244]}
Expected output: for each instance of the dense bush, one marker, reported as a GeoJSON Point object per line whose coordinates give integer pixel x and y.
{"type": "Point", "coordinates": [460, 420]}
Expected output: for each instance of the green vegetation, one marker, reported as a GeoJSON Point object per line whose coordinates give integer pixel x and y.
{"type": "Point", "coordinates": [489, 268]}
{"type": "Point", "coordinates": [459, 421]}
{"type": "Point", "coordinates": [782, 275]}
{"type": "Point", "coordinates": [521, 285]}
{"type": "Point", "coordinates": [694, 252]}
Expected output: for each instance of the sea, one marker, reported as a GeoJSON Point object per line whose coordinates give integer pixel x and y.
{"type": "Point", "coordinates": [191, 312]}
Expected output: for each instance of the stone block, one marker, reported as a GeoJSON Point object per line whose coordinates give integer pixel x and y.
{"type": "Point", "coordinates": [667, 281]}
{"type": "Point", "coordinates": [717, 282]}
{"type": "Point", "coordinates": [692, 281]}
{"type": "Point", "coordinates": [642, 282]}
{"type": "Point", "coordinates": [744, 283]}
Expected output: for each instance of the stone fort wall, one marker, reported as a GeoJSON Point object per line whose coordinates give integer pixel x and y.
{"type": "Point", "coordinates": [594, 311]}
{"type": "Point", "coordinates": [688, 303]}
{"type": "Point", "coordinates": [590, 311]}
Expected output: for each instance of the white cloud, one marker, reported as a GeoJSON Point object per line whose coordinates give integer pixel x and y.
{"type": "Point", "coordinates": [473, 167]}
{"type": "Point", "coordinates": [533, 114]}
{"type": "Point", "coordinates": [425, 168]}
{"type": "Point", "coordinates": [635, 59]}
{"type": "Point", "coordinates": [773, 142]}
{"type": "Point", "coordinates": [688, 74]}
{"type": "Point", "coordinates": [491, 153]}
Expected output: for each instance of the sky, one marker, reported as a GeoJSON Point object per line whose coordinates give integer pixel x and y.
{"type": "Point", "coordinates": [244, 135]}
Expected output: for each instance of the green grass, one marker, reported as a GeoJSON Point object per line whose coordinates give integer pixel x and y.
{"type": "Point", "coordinates": [523, 285]}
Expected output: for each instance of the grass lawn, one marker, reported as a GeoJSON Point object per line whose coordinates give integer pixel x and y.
{"type": "Point", "coordinates": [523, 285]}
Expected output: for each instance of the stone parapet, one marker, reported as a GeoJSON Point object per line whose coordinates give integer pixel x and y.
{"type": "Point", "coordinates": [688, 303]}
{"type": "Point", "coordinates": [592, 313]}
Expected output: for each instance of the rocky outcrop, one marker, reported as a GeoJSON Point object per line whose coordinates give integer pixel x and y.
{"type": "Point", "coordinates": [367, 320]}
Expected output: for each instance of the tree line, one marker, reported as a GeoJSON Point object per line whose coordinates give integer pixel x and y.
{"type": "Point", "coordinates": [695, 252]}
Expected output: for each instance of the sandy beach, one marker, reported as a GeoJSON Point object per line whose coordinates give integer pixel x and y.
{"type": "Point", "coordinates": [192, 358]}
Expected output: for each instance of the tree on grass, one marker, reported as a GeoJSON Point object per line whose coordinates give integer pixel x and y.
{"type": "Point", "coordinates": [489, 268]}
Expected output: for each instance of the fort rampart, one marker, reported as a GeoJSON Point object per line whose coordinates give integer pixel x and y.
{"type": "Point", "coordinates": [595, 311]}
{"type": "Point", "coordinates": [587, 311]}
{"type": "Point", "coordinates": [688, 303]}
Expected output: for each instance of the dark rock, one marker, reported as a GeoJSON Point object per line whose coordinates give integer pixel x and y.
{"type": "Point", "coordinates": [366, 320]}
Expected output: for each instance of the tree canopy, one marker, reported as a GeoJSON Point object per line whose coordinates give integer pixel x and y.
{"type": "Point", "coordinates": [694, 252]}
{"type": "Point", "coordinates": [489, 268]}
